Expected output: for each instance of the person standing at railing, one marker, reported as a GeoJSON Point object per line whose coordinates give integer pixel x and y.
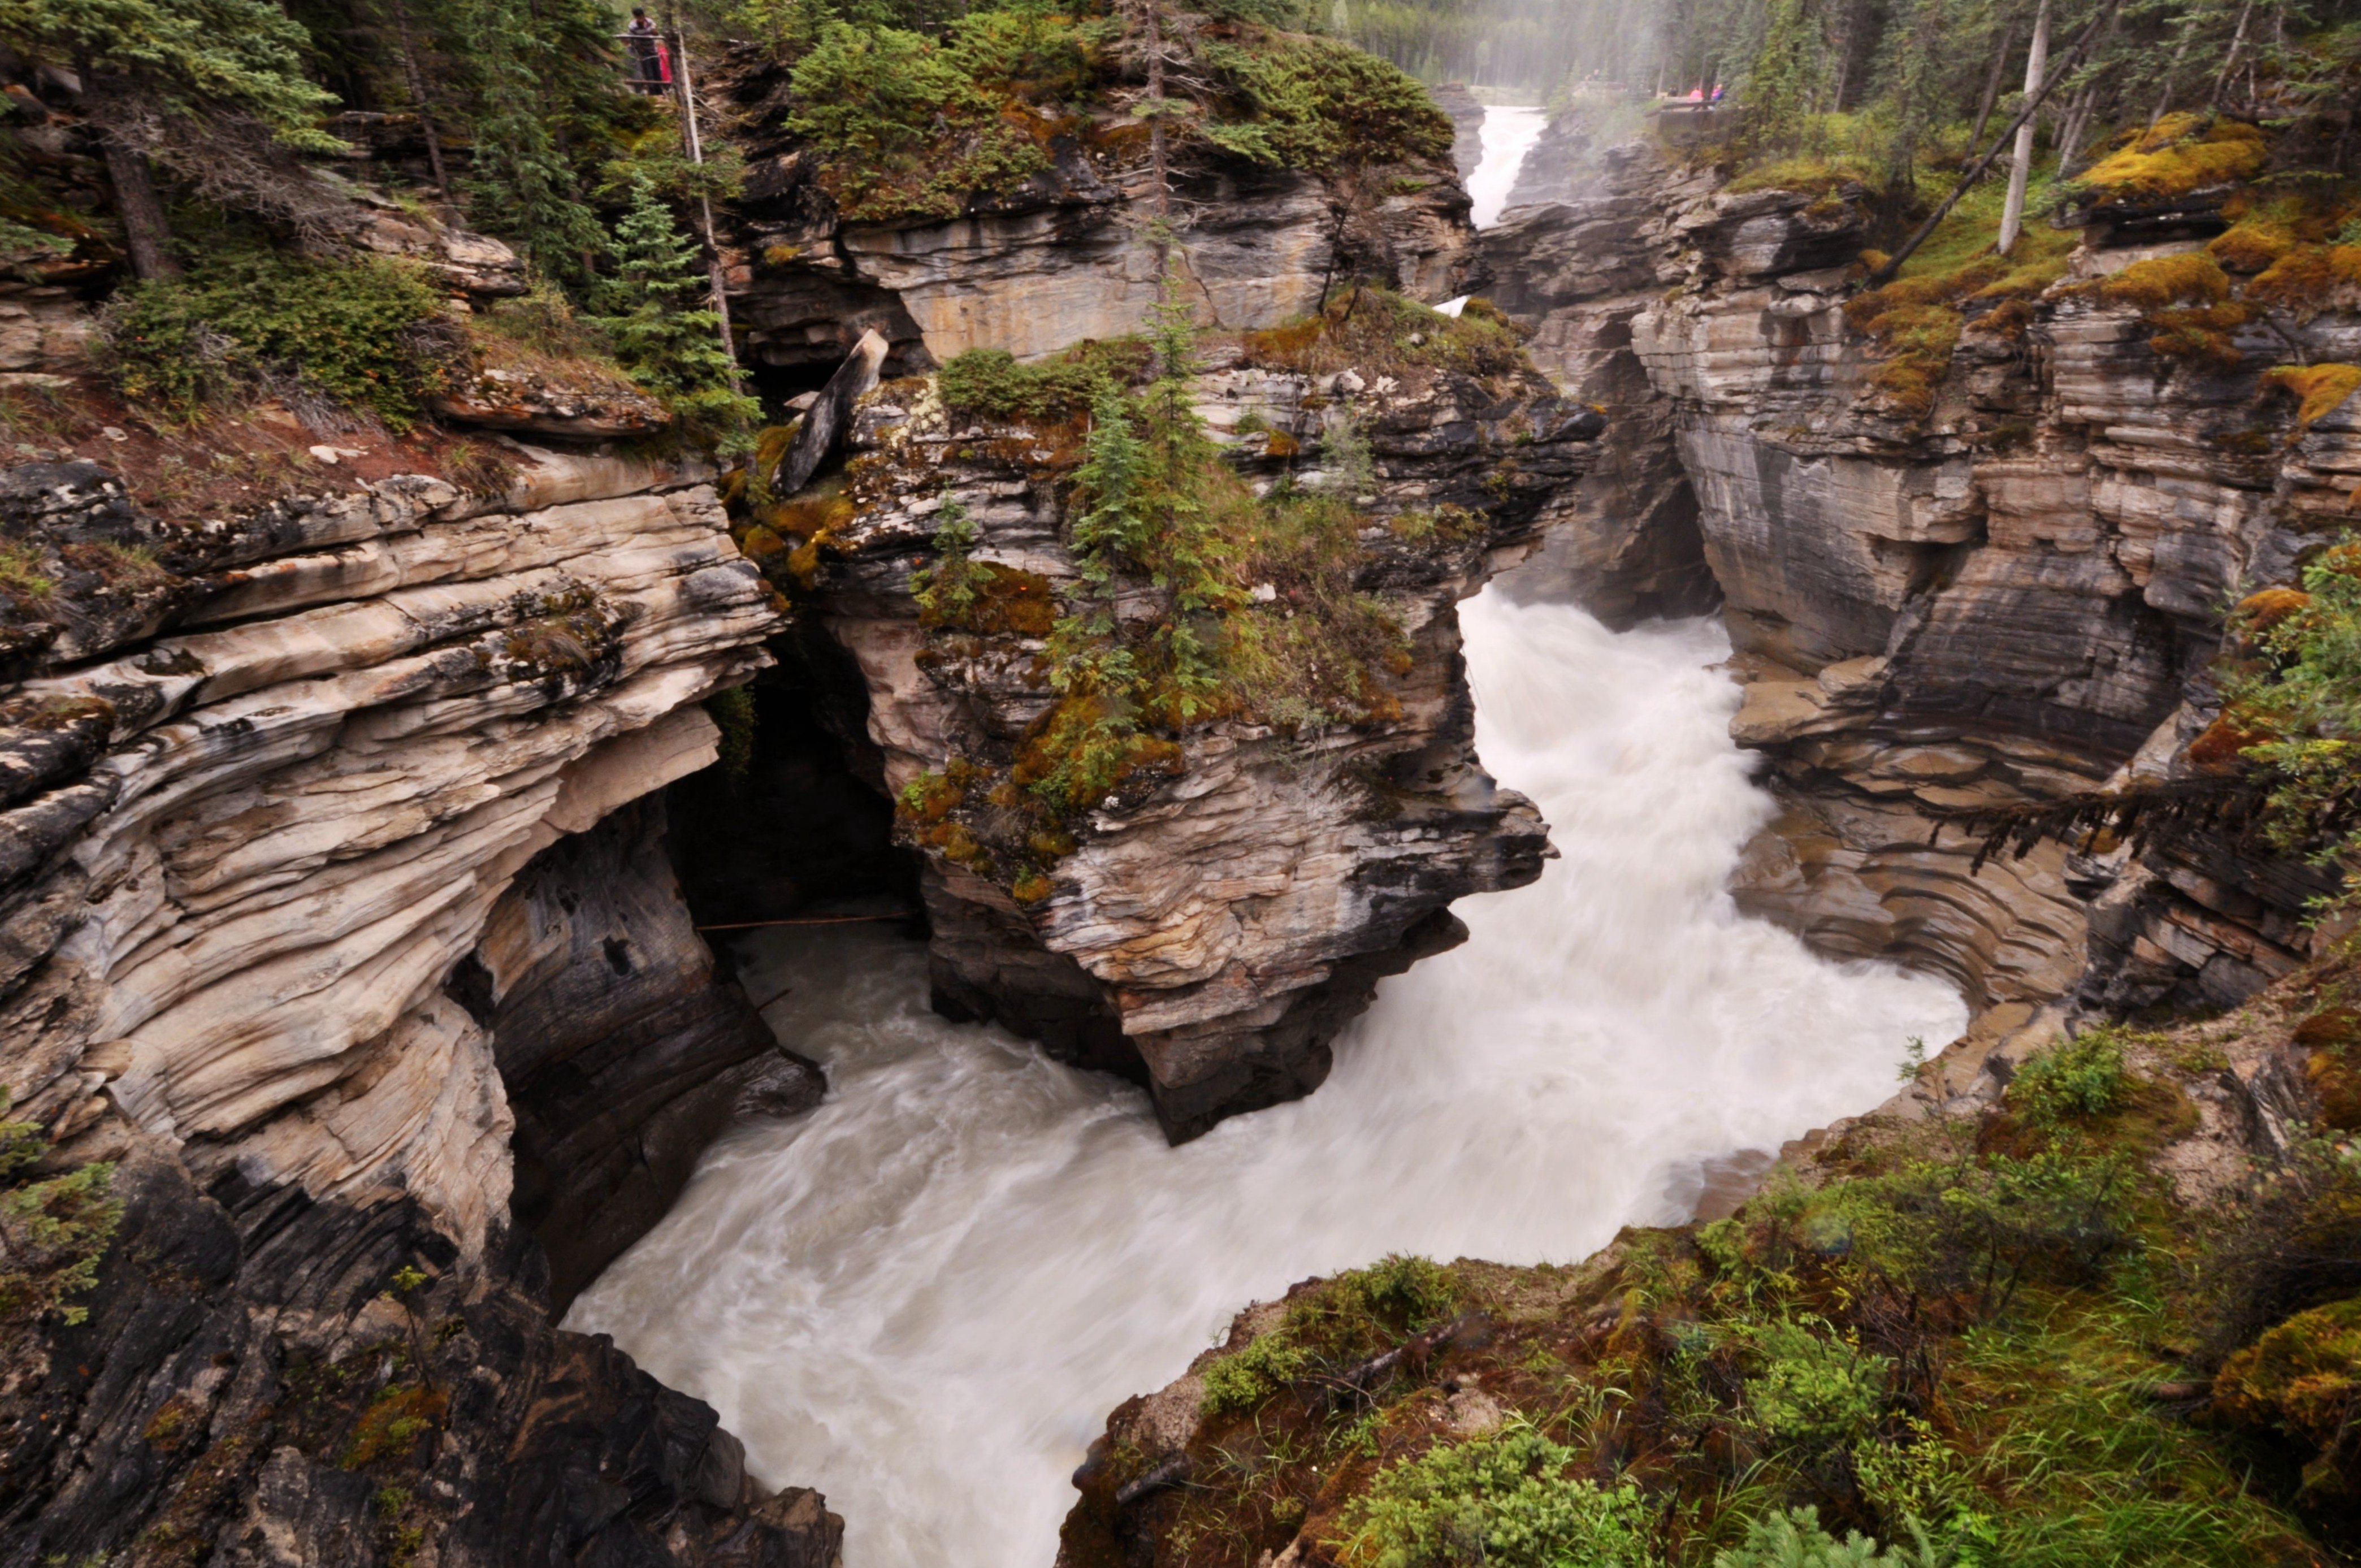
{"type": "Point", "coordinates": [647, 51]}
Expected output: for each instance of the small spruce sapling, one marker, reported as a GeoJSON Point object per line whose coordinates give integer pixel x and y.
{"type": "Point", "coordinates": [670, 343]}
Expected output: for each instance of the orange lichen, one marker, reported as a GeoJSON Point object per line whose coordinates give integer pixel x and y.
{"type": "Point", "coordinates": [2319, 389]}
{"type": "Point", "coordinates": [2183, 153]}
{"type": "Point", "coordinates": [2252, 245]}
{"type": "Point", "coordinates": [2202, 333]}
{"type": "Point", "coordinates": [2258, 612]}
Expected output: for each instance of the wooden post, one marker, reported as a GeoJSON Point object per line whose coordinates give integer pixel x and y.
{"type": "Point", "coordinates": [686, 93]}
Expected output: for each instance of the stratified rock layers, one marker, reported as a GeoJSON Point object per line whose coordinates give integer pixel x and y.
{"type": "Point", "coordinates": [1211, 937]}
{"type": "Point", "coordinates": [257, 916]}
{"type": "Point", "coordinates": [2007, 598]}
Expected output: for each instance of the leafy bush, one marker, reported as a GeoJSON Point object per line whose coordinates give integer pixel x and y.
{"type": "Point", "coordinates": [991, 382]}
{"type": "Point", "coordinates": [357, 333]}
{"type": "Point", "coordinates": [1343, 1319]}
{"type": "Point", "coordinates": [1504, 1501]}
{"type": "Point", "coordinates": [2073, 1080]}
{"type": "Point", "coordinates": [1815, 1391]}
{"type": "Point", "coordinates": [53, 1232]}
{"type": "Point", "coordinates": [906, 128]}
{"type": "Point", "coordinates": [1250, 1378]}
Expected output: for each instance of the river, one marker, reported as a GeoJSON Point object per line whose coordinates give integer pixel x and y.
{"type": "Point", "coordinates": [924, 1297]}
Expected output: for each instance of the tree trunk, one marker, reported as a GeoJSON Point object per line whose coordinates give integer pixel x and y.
{"type": "Point", "coordinates": [2237, 42]}
{"type": "Point", "coordinates": [146, 234]}
{"type": "Point", "coordinates": [1154, 9]}
{"type": "Point", "coordinates": [2020, 170]}
{"type": "Point", "coordinates": [1992, 83]}
{"type": "Point", "coordinates": [417, 79]}
{"type": "Point", "coordinates": [694, 142]}
{"type": "Point", "coordinates": [2173, 71]}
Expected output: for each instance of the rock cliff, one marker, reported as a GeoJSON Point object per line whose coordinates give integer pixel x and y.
{"type": "Point", "coordinates": [2000, 587]}
{"type": "Point", "coordinates": [1217, 919]}
{"type": "Point", "coordinates": [1065, 256]}
{"type": "Point", "coordinates": [322, 882]}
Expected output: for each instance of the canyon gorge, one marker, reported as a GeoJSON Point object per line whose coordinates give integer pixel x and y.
{"type": "Point", "coordinates": [632, 1006]}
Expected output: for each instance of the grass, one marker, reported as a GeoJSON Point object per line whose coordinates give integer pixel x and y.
{"type": "Point", "coordinates": [1836, 1358]}
{"type": "Point", "coordinates": [1954, 283]}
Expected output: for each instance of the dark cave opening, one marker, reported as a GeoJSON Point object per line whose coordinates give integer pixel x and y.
{"type": "Point", "coordinates": [804, 830]}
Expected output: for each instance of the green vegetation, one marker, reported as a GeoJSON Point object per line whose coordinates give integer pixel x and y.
{"type": "Point", "coordinates": [1934, 1346]}
{"type": "Point", "coordinates": [913, 114]}
{"type": "Point", "coordinates": [650, 310]}
{"type": "Point", "coordinates": [53, 1231]}
{"type": "Point", "coordinates": [2290, 680]}
{"type": "Point", "coordinates": [991, 382]}
{"type": "Point", "coordinates": [1505, 1500]}
{"type": "Point", "coordinates": [1233, 605]}
{"type": "Point", "coordinates": [252, 322]}
{"type": "Point", "coordinates": [1331, 1328]}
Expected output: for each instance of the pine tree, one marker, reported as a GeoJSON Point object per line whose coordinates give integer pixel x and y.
{"type": "Point", "coordinates": [156, 71]}
{"type": "Point", "coordinates": [650, 310]}
{"type": "Point", "coordinates": [522, 185]}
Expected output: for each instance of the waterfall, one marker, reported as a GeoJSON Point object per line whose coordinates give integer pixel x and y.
{"type": "Point", "coordinates": [924, 1297]}
{"type": "Point", "coordinates": [1509, 134]}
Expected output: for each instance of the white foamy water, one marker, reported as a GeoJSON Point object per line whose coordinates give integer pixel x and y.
{"type": "Point", "coordinates": [1509, 134]}
{"type": "Point", "coordinates": [924, 1297]}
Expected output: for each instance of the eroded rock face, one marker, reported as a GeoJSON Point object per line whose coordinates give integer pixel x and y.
{"type": "Point", "coordinates": [1625, 544]}
{"type": "Point", "coordinates": [1067, 256]}
{"type": "Point", "coordinates": [2007, 598]}
{"type": "Point", "coordinates": [311, 841]}
{"type": "Point", "coordinates": [1210, 933]}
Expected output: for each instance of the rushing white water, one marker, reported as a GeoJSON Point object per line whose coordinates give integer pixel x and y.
{"type": "Point", "coordinates": [1509, 134]}
{"type": "Point", "coordinates": [924, 1297]}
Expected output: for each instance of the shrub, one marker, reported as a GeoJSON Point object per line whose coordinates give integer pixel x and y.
{"type": "Point", "coordinates": [355, 331]}
{"type": "Point", "coordinates": [903, 126]}
{"type": "Point", "coordinates": [2183, 153]}
{"type": "Point", "coordinates": [2075, 1079]}
{"type": "Point", "coordinates": [1317, 105]}
{"type": "Point", "coordinates": [1248, 1378]}
{"type": "Point", "coordinates": [1503, 1501]}
{"type": "Point", "coordinates": [990, 382]}
{"type": "Point", "coordinates": [1794, 1540]}
{"type": "Point", "coordinates": [1814, 1391]}
{"type": "Point", "coordinates": [53, 1232]}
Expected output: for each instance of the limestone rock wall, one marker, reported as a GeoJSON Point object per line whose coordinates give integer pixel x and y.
{"type": "Point", "coordinates": [309, 848]}
{"type": "Point", "coordinates": [2008, 599]}
{"type": "Point", "coordinates": [1209, 934]}
{"type": "Point", "coordinates": [1067, 256]}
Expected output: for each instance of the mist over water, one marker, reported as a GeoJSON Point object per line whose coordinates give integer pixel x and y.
{"type": "Point", "coordinates": [924, 1297]}
{"type": "Point", "coordinates": [1509, 134]}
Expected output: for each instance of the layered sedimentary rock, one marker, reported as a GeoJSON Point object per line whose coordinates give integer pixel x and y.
{"type": "Point", "coordinates": [1626, 544]}
{"type": "Point", "coordinates": [1215, 923]}
{"type": "Point", "coordinates": [1067, 256]}
{"type": "Point", "coordinates": [2010, 596]}
{"type": "Point", "coordinates": [309, 844]}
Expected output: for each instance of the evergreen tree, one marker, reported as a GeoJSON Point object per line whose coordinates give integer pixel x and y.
{"type": "Point", "coordinates": [523, 184]}
{"type": "Point", "coordinates": [160, 72]}
{"type": "Point", "coordinates": [671, 344]}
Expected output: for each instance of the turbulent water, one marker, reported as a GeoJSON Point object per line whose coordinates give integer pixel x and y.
{"type": "Point", "coordinates": [924, 1297]}
{"type": "Point", "coordinates": [1509, 134]}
